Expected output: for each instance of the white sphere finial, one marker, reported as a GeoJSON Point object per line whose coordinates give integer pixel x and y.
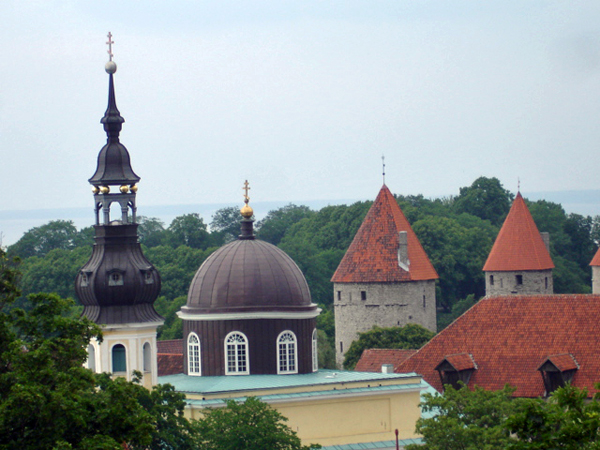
{"type": "Point", "coordinates": [110, 67]}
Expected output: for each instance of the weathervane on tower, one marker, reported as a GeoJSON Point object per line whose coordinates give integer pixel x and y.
{"type": "Point", "coordinates": [383, 164]}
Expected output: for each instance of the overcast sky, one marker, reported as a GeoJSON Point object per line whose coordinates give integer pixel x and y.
{"type": "Point", "coordinates": [301, 98]}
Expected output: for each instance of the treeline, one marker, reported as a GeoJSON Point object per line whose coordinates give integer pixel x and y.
{"type": "Point", "coordinates": [456, 232]}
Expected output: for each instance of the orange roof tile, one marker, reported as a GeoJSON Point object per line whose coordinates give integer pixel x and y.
{"type": "Point", "coordinates": [519, 245]}
{"type": "Point", "coordinates": [372, 359]}
{"type": "Point", "coordinates": [596, 259]}
{"type": "Point", "coordinates": [510, 337]}
{"type": "Point", "coordinates": [460, 361]}
{"type": "Point", "coordinates": [562, 362]}
{"type": "Point", "coordinates": [172, 346]}
{"type": "Point", "coordinates": [169, 364]}
{"type": "Point", "coordinates": [373, 254]}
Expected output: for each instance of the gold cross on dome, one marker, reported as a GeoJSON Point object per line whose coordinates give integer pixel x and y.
{"type": "Point", "coordinates": [110, 43]}
{"type": "Point", "coordinates": [246, 188]}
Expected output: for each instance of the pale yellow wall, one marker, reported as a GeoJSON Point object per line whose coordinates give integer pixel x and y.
{"type": "Point", "coordinates": [133, 339]}
{"type": "Point", "coordinates": [347, 419]}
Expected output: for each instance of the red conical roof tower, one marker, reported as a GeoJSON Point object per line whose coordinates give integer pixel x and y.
{"type": "Point", "coordinates": [373, 255]}
{"type": "Point", "coordinates": [519, 245]}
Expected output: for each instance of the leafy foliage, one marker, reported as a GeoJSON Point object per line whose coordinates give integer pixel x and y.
{"type": "Point", "coordinates": [49, 400]}
{"type": "Point", "coordinates": [38, 241]}
{"type": "Point", "coordinates": [251, 425]}
{"type": "Point", "coordinates": [410, 336]}
{"type": "Point", "coordinates": [486, 198]}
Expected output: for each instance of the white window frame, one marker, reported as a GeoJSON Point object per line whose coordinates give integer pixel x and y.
{"type": "Point", "coordinates": [194, 355]}
{"type": "Point", "coordinates": [287, 352]}
{"type": "Point", "coordinates": [315, 351]}
{"type": "Point", "coordinates": [237, 353]}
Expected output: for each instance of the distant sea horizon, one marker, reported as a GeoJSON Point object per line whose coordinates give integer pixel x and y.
{"type": "Point", "coordinates": [14, 223]}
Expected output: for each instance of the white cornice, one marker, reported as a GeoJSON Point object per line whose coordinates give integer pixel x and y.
{"type": "Point", "coordinates": [251, 316]}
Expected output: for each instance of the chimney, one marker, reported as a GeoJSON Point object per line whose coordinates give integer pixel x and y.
{"type": "Point", "coordinates": [546, 238]}
{"type": "Point", "coordinates": [387, 368]}
{"type": "Point", "coordinates": [403, 261]}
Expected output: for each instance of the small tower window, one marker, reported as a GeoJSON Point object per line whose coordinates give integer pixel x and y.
{"type": "Point", "coordinates": [519, 279]}
{"type": "Point", "coordinates": [147, 353]}
{"type": "Point", "coordinates": [315, 351]}
{"type": "Point", "coordinates": [236, 352]}
{"type": "Point", "coordinates": [546, 280]}
{"type": "Point", "coordinates": [119, 359]}
{"type": "Point", "coordinates": [193, 354]}
{"type": "Point", "coordinates": [339, 295]}
{"type": "Point", "coordinates": [424, 302]}
{"type": "Point", "coordinates": [341, 347]}
{"type": "Point", "coordinates": [287, 357]}
{"type": "Point", "coordinates": [363, 295]}
{"type": "Point", "coordinates": [115, 279]}
{"type": "Point", "coordinates": [148, 278]}
{"type": "Point", "coordinates": [84, 279]}
{"type": "Point", "coordinates": [491, 280]}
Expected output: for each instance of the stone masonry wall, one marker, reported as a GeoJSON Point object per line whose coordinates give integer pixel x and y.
{"type": "Point", "coordinates": [533, 282]}
{"type": "Point", "coordinates": [359, 306]}
{"type": "Point", "coordinates": [596, 279]}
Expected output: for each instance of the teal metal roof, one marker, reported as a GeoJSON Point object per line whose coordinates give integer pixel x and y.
{"type": "Point", "coordinates": [315, 395]}
{"type": "Point", "coordinates": [374, 445]}
{"type": "Point", "coordinates": [228, 384]}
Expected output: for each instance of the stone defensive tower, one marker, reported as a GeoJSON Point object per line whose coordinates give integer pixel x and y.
{"type": "Point", "coordinates": [596, 273]}
{"type": "Point", "coordinates": [385, 278]}
{"type": "Point", "coordinates": [118, 285]}
{"type": "Point", "coordinates": [519, 262]}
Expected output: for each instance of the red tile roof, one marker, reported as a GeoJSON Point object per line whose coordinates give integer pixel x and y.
{"type": "Point", "coordinates": [173, 346]}
{"type": "Point", "coordinates": [519, 245]}
{"type": "Point", "coordinates": [169, 364]}
{"type": "Point", "coordinates": [373, 254]}
{"type": "Point", "coordinates": [510, 337]}
{"type": "Point", "coordinates": [372, 359]}
{"type": "Point", "coordinates": [460, 361]}
{"type": "Point", "coordinates": [562, 362]}
{"type": "Point", "coordinates": [596, 259]}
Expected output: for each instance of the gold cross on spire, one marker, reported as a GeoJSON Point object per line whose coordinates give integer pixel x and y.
{"type": "Point", "coordinates": [246, 188]}
{"type": "Point", "coordinates": [110, 43]}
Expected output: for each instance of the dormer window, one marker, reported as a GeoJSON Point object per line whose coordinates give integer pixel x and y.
{"type": "Point", "coordinates": [558, 370]}
{"type": "Point", "coordinates": [148, 278]}
{"type": "Point", "coordinates": [115, 278]}
{"type": "Point", "coordinates": [84, 280]}
{"type": "Point", "coordinates": [455, 368]}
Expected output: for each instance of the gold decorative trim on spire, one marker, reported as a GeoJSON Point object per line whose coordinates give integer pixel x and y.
{"type": "Point", "coordinates": [246, 210]}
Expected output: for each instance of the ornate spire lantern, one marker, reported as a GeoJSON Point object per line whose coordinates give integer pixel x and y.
{"type": "Point", "coordinates": [118, 285]}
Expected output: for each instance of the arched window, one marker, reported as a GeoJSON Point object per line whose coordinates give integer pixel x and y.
{"type": "Point", "coordinates": [236, 354]}
{"type": "Point", "coordinates": [91, 362]}
{"type": "Point", "coordinates": [287, 356]}
{"type": "Point", "coordinates": [147, 352]}
{"type": "Point", "coordinates": [315, 352]}
{"type": "Point", "coordinates": [119, 359]}
{"type": "Point", "coordinates": [193, 354]}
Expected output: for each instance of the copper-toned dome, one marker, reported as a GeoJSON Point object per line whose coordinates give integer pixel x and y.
{"type": "Point", "coordinates": [248, 276]}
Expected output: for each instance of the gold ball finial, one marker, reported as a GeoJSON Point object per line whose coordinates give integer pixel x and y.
{"type": "Point", "coordinates": [134, 188]}
{"type": "Point", "coordinates": [246, 210]}
{"type": "Point", "coordinates": [124, 189]}
{"type": "Point", "coordinates": [95, 189]}
{"type": "Point", "coordinates": [104, 189]}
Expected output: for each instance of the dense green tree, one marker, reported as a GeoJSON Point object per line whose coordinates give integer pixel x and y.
{"type": "Point", "coordinates": [566, 421]}
{"type": "Point", "coordinates": [227, 222]}
{"type": "Point", "coordinates": [40, 240]}
{"type": "Point", "coordinates": [55, 272]}
{"type": "Point", "coordinates": [48, 399]}
{"type": "Point", "coordinates": [410, 336]}
{"type": "Point", "coordinates": [189, 230]}
{"type": "Point", "coordinates": [251, 425]}
{"type": "Point", "coordinates": [465, 420]}
{"type": "Point", "coordinates": [173, 326]}
{"type": "Point", "coordinates": [151, 231]}
{"type": "Point", "coordinates": [486, 198]}
{"type": "Point", "coordinates": [274, 226]}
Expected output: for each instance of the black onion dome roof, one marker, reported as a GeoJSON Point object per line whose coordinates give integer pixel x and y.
{"type": "Point", "coordinates": [248, 275]}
